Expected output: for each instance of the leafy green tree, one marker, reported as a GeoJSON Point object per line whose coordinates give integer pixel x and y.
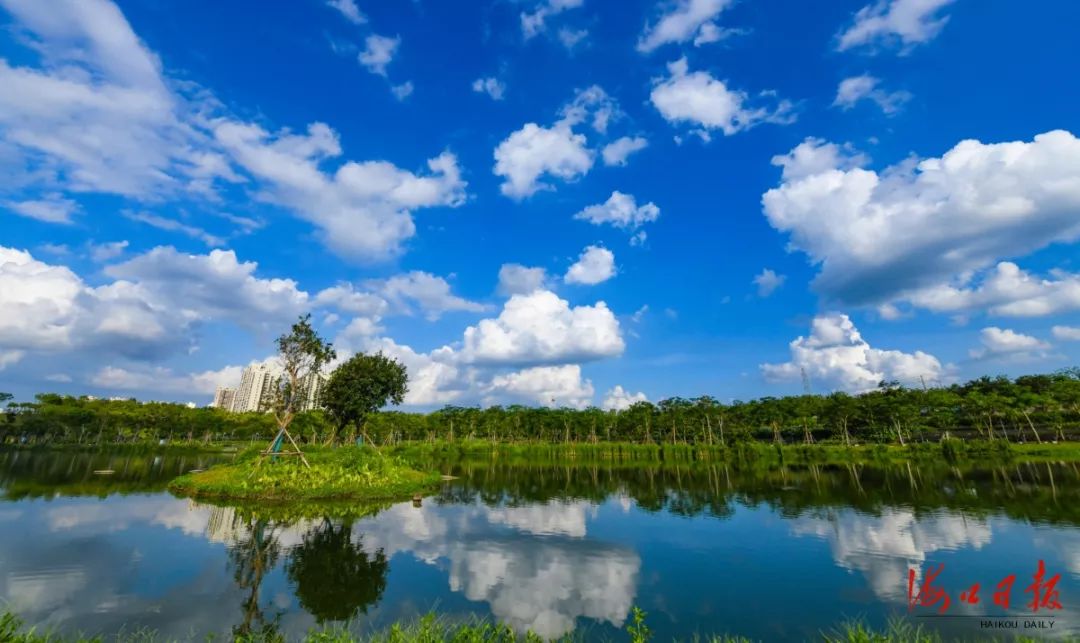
{"type": "Point", "coordinates": [302, 354]}
{"type": "Point", "coordinates": [360, 386]}
{"type": "Point", "coordinates": [674, 411]}
{"type": "Point", "coordinates": [640, 416]}
{"type": "Point", "coordinates": [840, 409]}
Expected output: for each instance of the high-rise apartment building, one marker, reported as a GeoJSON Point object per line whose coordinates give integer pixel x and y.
{"type": "Point", "coordinates": [223, 398]}
{"type": "Point", "coordinates": [309, 392]}
{"type": "Point", "coordinates": [255, 391]}
{"type": "Point", "coordinates": [258, 385]}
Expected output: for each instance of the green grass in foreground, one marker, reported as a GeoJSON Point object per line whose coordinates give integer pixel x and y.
{"type": "Point", "coordinates": [354, 473]}
{"type": "Point", "coordinates": [432, 629]}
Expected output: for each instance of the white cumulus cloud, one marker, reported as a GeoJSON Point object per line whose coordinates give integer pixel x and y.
{"type": "Point", "coordinates": [532, 352]}
{"type": "Point", "coordinates": [160, 379]}
{"type": "Point", "coordinates": [402, 91]}
{"type": "Point", "coordinates": [571, 38]}
{"type": "Point", "coordinates": [349, 10]}
{"type": "Point", "coordinates": [682, 21]}
{"type": "Point", "coordinates": [1005, 290]}
{"type": "Point", "coordinates": [7, 358]}
{"type": "Point", "coordinates": [1066, 333]}
{"type": "Point", "coordinates": [618, 399]}
{"type": "Point", "coordinates": [1007, 343]}
{"type": "Point", "coordinates": [768, 281]}
{"type": "Point", "coordinates": [107, 251]}
{"type": "Point", "coordinates": [96, 113]}
{"type": "Point", "coordinates": [866, 87]}
{"type": "Point", "coordinates": [149, 311]}
{"type": "Point", "coordinates": [346, 298]}
{"type": "Point", "coordinates": [516, 279]}
{"type": "Point", "coordinates": [431, 293]}
{"type": "Point", "coordinates": [698, 99]}
{"type": "Point", "coordinates": [378, 52]}
{"type": "Point", "coordinates": [595, 265]}
{"type": "Point", "coordinates": [215, 285]}
{"type": "Point", "coordinates": [533, 151]}
{"type": "Point", "coordinates": [541, 328]}
{"type": "Point", "coordinates": [923, 223]}
{"type": "Point", "coordinates": [51, 209]}
{"type": "Point", "coordinates": [172, 225]}
{"type": "Point", "coordinates": [363, 209]}
{"type": "Point", "coordinates": [535, 22]}
{"type": "Point", "coordinates": [906, 23]}
{"type": "Point", "coordinates": [491, 86]}
{"type": "Point", "coordinates": [434, 378]}
{"type": "Point", "coordinates": [530, 153]}
{"type": "Point", "coordinates": [546, 385]}
{"type": "Point", "coordinates": [836, 356]}
{"type": "Point", "coordinates": [618, 151]}
{"type": "Point", "coordinates": [620, 210]}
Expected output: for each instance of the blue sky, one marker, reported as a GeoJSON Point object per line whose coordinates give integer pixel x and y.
{"type": "Point", "coordinates": [555, 201]}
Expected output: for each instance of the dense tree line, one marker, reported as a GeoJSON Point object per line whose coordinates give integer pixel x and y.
{"type": "Point", "coordinates": [1032, 408]}
{"type": "Point", "coordinates": [61, 418]}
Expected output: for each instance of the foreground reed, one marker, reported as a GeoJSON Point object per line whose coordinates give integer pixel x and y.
{"type": "Point", "coordinates": [434, 629]}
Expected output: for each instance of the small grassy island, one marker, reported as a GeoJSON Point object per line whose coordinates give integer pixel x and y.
{"type": "Point", "coordinates": [343, 473]}
{"type": "Point", "coordinates": [358, 387]}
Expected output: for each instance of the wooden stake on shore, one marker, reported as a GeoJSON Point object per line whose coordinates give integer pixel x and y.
{"type": "Point", "coordinates": [282, 432]}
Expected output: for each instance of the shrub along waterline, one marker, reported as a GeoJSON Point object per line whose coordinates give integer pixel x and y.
{"type": "Point", "coordinates": [354, 473]}
{"type": "Point", "coordinates": [952, 450]}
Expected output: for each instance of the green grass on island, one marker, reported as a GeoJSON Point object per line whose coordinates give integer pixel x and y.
{"type": "Point", "coordinates": [344, 473]}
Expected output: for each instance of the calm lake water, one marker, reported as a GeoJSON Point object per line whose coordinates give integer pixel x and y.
{"type": "Point", "coordinates": [773, 555]}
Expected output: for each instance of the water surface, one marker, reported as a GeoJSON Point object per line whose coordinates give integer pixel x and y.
{"type": "Point", "coordinates": [773, 555]}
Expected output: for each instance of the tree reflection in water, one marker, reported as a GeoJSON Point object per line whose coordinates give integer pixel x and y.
{"type": "Point", "coordinates": [1023, 490]}
{"type": "Point", "coordinates": [515, 536]}
{"type": "Point", "coordinates": [255, 552]}
{"type": "Point", "coordinates": [335, 578]}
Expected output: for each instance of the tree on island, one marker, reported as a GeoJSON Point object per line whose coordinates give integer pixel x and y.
{"type": "Point", "coordinates": [301, 354]}
{"type": "Point", "coordinates": [360, 386]}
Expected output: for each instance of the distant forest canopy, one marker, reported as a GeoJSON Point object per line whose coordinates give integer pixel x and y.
{"type": "Point", "coordinates": [1030, 408]}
